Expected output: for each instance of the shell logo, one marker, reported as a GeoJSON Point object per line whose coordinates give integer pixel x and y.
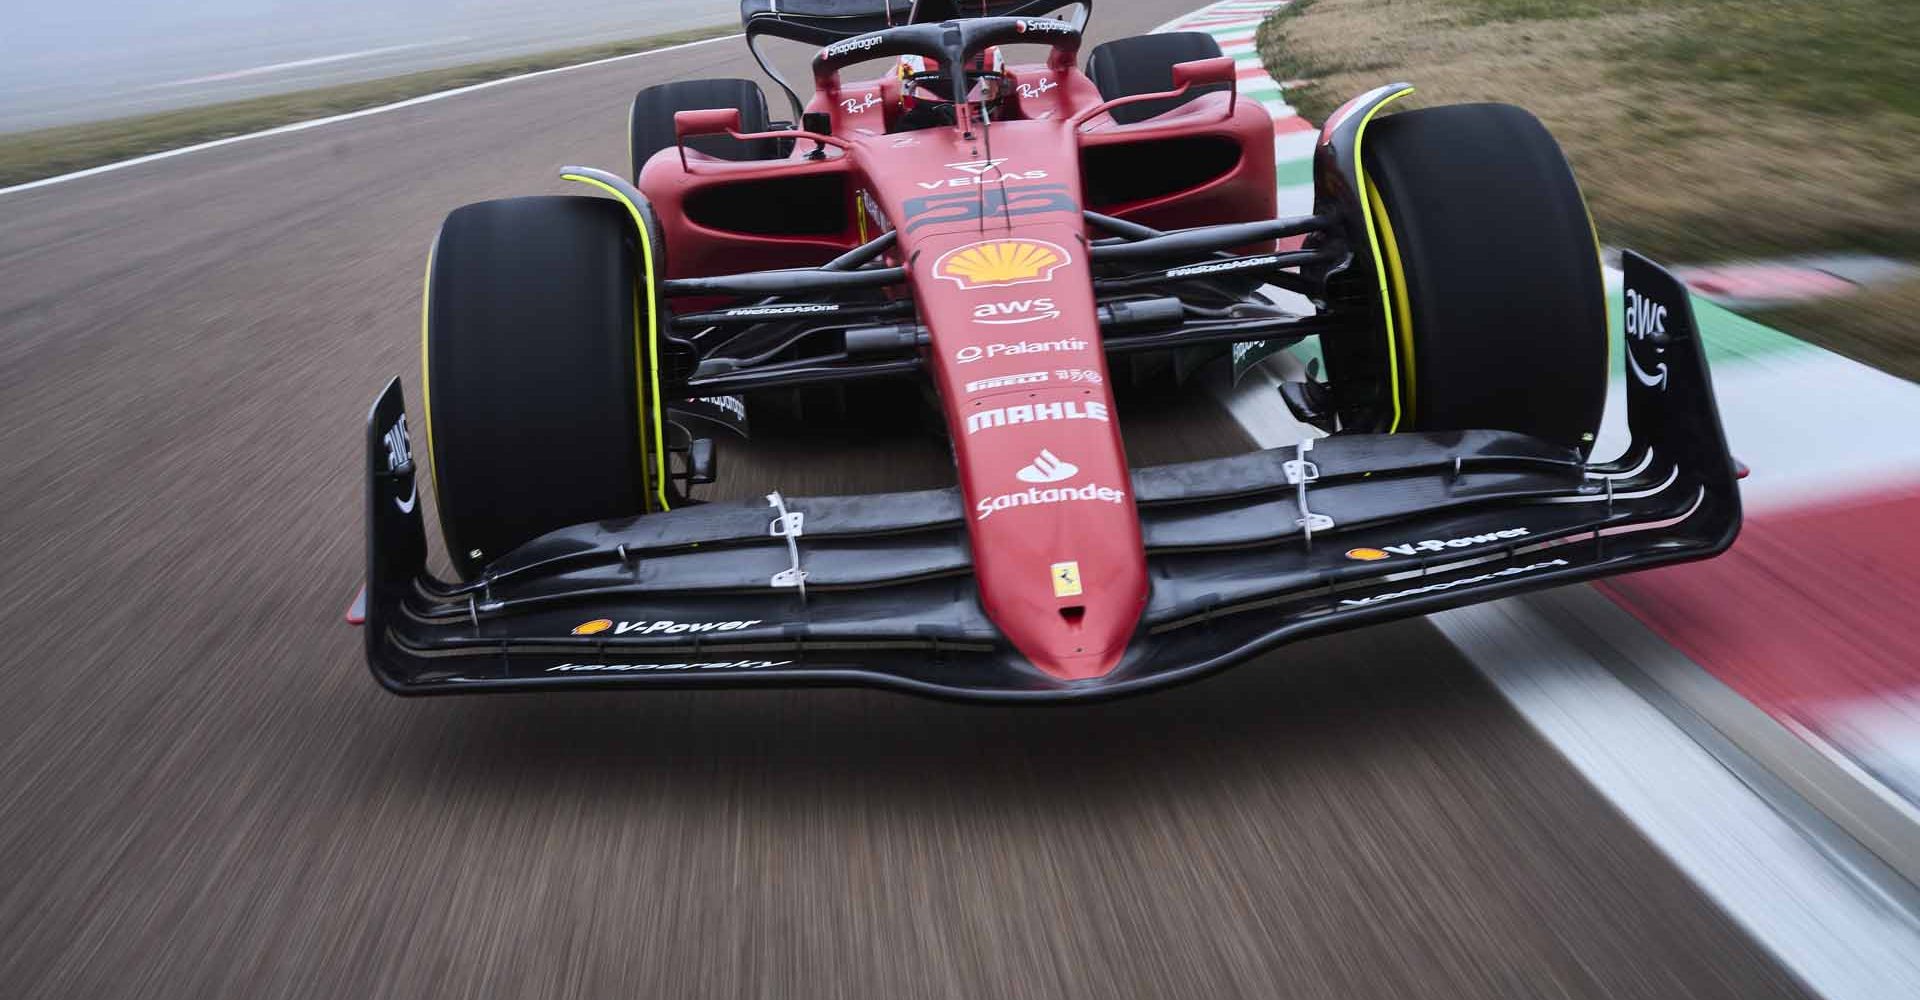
{"type": "Point", "coordinates": [1366, 555]}
{"type": "Point", "coordinates": [594, 627]}
{"type": "Point", "coordinates": [1001, 262]}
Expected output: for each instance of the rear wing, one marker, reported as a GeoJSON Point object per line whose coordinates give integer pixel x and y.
{"type": "Point", "coordinates": [1245, 553]}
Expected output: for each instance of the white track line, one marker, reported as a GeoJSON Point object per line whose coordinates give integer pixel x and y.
{"type": "Point", "coordinates": [107, 168]}
{"type": "Point", "coordinates": [280, 67]}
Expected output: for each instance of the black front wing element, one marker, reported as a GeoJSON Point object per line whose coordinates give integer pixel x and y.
{"type": "Point", "coordinates": [1244, 553]}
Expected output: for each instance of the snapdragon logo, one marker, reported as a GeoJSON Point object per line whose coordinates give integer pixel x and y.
{"type": "Point", "coordinates": [851, 46]}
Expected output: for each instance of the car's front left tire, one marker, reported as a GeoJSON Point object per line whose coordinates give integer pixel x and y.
{"type": "Point", "coordinates": [1498, 312]}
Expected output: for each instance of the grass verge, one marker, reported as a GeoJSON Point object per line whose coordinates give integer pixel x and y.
{"type": "Point", "coordinates": [1700, 129]}
{"type": "Point", "coordinates": [29, 156]}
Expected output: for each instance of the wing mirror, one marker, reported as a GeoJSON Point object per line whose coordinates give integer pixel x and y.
{"type": "Point", "coordinates": [1218, 71]}
{"type": "Point", "coordinates": [726, 121]}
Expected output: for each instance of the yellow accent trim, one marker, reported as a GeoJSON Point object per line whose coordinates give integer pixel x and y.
{"type": "Point", "coordinates": [1402, 310]}
{"type": "Point", "coordinates": [1373, 237]}
{"type": "Point", "coordinates": [860, 212]}
{"type": "Point", "coordinates": [653, 342]}
{"type": "Point", "coordinates": [1599, 259]}
{"type": "Point", "coordinates": [426, 387]}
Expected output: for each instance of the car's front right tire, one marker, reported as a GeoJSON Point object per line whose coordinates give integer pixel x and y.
{"type": "Point", "coordinates": [531, 372]}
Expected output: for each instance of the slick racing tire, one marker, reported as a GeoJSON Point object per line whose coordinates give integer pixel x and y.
{"type": "Point", "coordinates": [1143, 64]}
{"type": "Point", "coordinates": [1499, 316]}
{"type": "Point", "coordinates": [650, 123]}
{"type": "Point", "coordinates": [530, 374]}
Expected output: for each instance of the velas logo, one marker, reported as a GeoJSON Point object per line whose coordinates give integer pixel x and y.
{"type": "Point", "coordinates": [1047, 468]}
{"type": "Point", "coordinates": [992, 263]}
{"type": "Point", "coordinates": [977, 172]}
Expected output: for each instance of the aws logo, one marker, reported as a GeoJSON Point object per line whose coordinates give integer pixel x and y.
{"type": "Point", "coordinates": [1015, 312]}
{"type": "Point", "coordinates": [1646, 340]}
{"type": "Point", "coordinates": [1001, 262]}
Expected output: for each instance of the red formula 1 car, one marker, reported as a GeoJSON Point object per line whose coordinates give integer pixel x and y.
{"type": "Point", "coordinates": [1010, 236]}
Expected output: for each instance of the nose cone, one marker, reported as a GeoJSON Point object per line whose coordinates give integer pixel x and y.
{"type": "Point", "coordinates": [1057, 549]}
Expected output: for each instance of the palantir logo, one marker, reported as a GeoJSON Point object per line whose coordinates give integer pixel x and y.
{"type": "Point", "coordinates": [1048, 468]}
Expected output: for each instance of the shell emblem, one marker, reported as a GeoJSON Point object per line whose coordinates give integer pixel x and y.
{"type": "Point", "coordinates": [1001, 262]}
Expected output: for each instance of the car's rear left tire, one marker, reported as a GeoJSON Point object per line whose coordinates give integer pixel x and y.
{"type": "Point", "coordinates": [1493, 274]}
{"type": "Point", "coordinates": [531, 372]}
{"type": "Point", "coordinates": [650, 121]}
{"type": "Point", "coordinates": [1143, 64]}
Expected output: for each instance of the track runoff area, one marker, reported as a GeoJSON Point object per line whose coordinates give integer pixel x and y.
{"type": "Point", "coordinates": [1756, 715]}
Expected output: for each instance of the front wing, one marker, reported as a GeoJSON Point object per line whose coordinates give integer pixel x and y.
{"type": "Point", "coordinates": [1245, 553]}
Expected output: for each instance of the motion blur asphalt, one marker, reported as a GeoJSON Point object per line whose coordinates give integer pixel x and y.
{"type": "Point", "coordinates": [203, 793]}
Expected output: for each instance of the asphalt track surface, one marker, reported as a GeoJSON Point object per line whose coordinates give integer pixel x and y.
{"type": "Point", "coordinates": [203, 793]}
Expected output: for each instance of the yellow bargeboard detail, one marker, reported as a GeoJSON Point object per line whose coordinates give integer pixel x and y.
{"type": "Point", "coordinates": [652, 351]}
{"type": "Point", "coordinates": [1373, 238]}
{"type": "Point", "coordinates": [1397, 285]}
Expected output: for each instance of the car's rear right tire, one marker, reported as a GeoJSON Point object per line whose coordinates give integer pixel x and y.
{"type": "Point", "coordinates": [1143, 64]}
{"type": "Point", "coordinates": [650, 122]}
{"type": "Point", "coordinates": [530, 374]}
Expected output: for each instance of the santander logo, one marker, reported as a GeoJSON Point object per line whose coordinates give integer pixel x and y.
{"type": "Point", "coordinates": [1048, 468]}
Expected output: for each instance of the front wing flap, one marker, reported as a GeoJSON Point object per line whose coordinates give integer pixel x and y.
{"type": "Point", "coordinates": [1245, 553]}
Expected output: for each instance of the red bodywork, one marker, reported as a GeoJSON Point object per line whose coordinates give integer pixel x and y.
{"type": "Point", "coordinates": [991, 229]}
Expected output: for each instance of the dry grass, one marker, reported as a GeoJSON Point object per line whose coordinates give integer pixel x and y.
{"type": "Point", "coordinates": [1700, 129]}
{"type": "Point", "coordinates": [1880, 326]}
{"type": "Point", "coordinates": [1684, 169]}
{"type": "Point", "coordinates": [27, 156]}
